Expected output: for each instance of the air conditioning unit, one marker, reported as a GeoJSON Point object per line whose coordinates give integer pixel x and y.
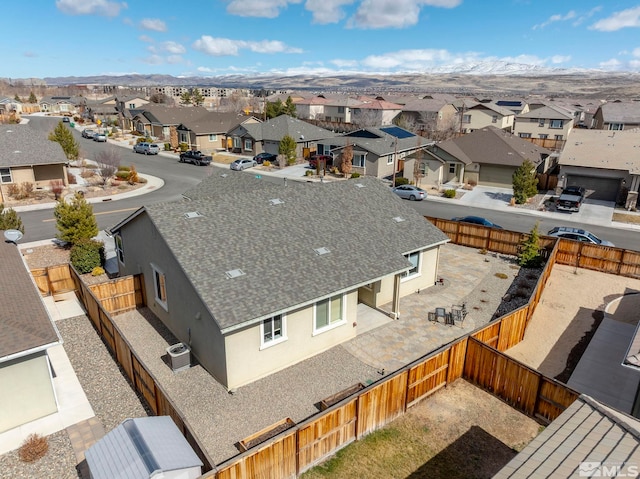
{"type": "Point", "coordinates": [179, 357]}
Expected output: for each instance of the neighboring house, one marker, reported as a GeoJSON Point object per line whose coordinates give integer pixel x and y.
{"type": "Point", "coordinates": [131, 102]}
{"type": "Point", "coordinates": [99, 110]}
{"type": "Point", "coordinates": [547, 123]}
{"type": "Point", "coordinates": [60, 105]}
{"type": "Point", "coordinates": [488, 157]}
{"type": "Point", "coordinates": [374, 111]}
{"type": "Point", "coordinates": [26, 333]}
{"type": "Point", "coordinates": [515, 105]}
{"type": "Point", "coordinates": [27, 156]}
{"type": "Point", "coordinates": [143, 448]}
{"type": "Point", "coordinates": [617, 115]}
{"type": "Point", "coordinates": [287, 271]}
{"type": "Point", "coordinates": [605, 162]}
{"type": "Point", "coordinates": [476, 116]}
{"type": "Point", "coordinates": [436, 117]}
{"type": "Point", "coordinates": [377, 152]}
{"type": "Point", "coordinates": [8, 105]}
{"type": "Point", "coordinates": [251, 138]}
{"type": "Point", "coordinates": [312, 108]}
{"type": "Point", "coordinates": [209, 132]}
{"type": "Point", "coordinates": [158, 121]}
{"type": "Point", "coordinates": [582, 109]}
{"type": "Point", "coordinates": [340, 109]}
{"type": "Point", "coordinates": [588, 439]}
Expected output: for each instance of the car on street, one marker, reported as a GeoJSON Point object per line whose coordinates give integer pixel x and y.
{"type": "Point", "coordinates": [476, 220]}
{"type": "Point", "coordinates": [577, 234]}
{"type": "Point", "coordinates": [195, 157]}
{"type": "Point", "coordinates": [242, 164]}
{"type": "Point", "coordinates": [88, 133]}
{"type": "Point", "coordinates": [410, 192]}
{"type": "Point", "coordinates": [66, 119]}
{"type": "Point", "coordinates": [146, 148]}
{"type": "Point", "coordinates": [264, 156]}
{"type": "Point", "coordinates": [99, 137]}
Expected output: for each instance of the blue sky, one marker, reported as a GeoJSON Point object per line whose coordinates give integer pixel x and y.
{"type": "Point", "coordinates": [51, 38]}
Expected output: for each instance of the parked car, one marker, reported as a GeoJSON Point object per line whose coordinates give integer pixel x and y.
{"type": "Point", "coordinates": [66, 119]}
{"type": "Point", "coordinates": [570, 199]}
{"type": "Point", "coordinates": [195, 157]}
{"type": "Point", "coordinates": [314, 159]}
{"type": "Point", "coordinates": [242, 164]}
{"type": "Point", "coordinates": [577, 234]}
{"type": "Point", "coordinates": [99, 137]}
{"type": "Point", "coordinates": [88, 133]}
{"type": "Point", "coordinates": [410, 192]}
{"type": "Point", "coordinates": [476, 220]}
{"type": "Point", "coordinates": [146, 148]}
{"type": "Point", "coordinates": [264, 156]}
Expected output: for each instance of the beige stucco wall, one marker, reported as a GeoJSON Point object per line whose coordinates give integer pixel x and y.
{"type": "Point", "coordinates": [27, 391]}
{"type": "Point", "coordinates": [481, 118]}
{"type": "Point", "coordinates": [247, 362]}
{"type": "Point", "coordinates": [535, 130]}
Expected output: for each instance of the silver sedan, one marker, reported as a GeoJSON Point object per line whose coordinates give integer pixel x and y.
{"type": "Point", "coordinates": [242, 164]}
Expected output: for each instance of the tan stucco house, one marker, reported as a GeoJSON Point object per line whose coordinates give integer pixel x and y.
{"type": "Point", "coordinates": [553, 123]}
{"type": "Point", "coordinates": [253, 286]}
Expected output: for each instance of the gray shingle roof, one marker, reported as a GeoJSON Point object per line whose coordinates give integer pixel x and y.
{"type": "Point", "coordinates": [215, 122]}
{"type": "Point", "coordinates": [24, 321]}
{"type": "Point", "coordinates": [586, 432]}
{"type": "Point", "coordinates": [22, 145]}
{"type": "Point", "coordinates": [167, 115]}
{"type": "Point", "coordinates": [274, 244]}
{"type": "Point", "coordinates": [493, 146]}
{"type": "Point", "coordinates": [276, 128]}
{"type": "Point", "coordinates": [379, 142]}
{"type": "Point", "coordinates": [621, 112]}
{"type": "Point", "coordinates": [547, 112]}
{"type": "Point", "coordinates": [140, 448]}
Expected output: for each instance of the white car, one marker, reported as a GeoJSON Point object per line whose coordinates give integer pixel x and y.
{"type": "Point", "coordinates": [577, 234]}
{"type": "Point", "coordinates": [242, 164]}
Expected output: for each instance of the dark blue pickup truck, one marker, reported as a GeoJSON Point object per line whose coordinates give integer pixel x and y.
{"type": "Point", "coordinates": [195, 157]}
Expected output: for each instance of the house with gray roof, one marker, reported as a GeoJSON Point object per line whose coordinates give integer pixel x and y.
{"type": "Point", "coordinates": [434, 115]}
{"type": "Point", "coordinates": [377, 152]}
{"type": "Point", "coordinates": [617, 115]}
{"type": "Point", "coordinates": [208, 133]}
{"type": "Point", "coordinates": [60, 105]}
{"type": "Point", "coordinates": [488, 156]}
{"type": "Point", "coordinates": [27, 156]}
{"type": "Point", "coordinates": [251, 138]}
{"type": "Point", "coordinates": [26, 333]}
{"type": "Point", "coordinates": [588, 439]}
{"type": "Point", "coordinates": [548, 123]}
{"type": "Point", "coordinates": [474, 116]}
{"type": "Point", "coordinates": [143, 448]}
{"type": "Point", "coordinates": [255, 276]}
{"type": "Point", "coordinates": [158, 121]}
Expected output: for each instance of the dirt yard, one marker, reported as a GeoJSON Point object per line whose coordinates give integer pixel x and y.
{"type": "Point", "coordinates": [459, 432]}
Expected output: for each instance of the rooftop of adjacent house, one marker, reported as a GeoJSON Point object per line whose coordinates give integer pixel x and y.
{"type": "Point", "coordinates": [24, 322]}
{"type": "Point", "coordinates": [492, 107]}
{"type": "Point", "coordinates": [301, 131]}
{"type": "Point", "coordinates": [615, 150]}
{"type": "Point", "coordinates": [283, 246]}
{"type": "Point", "coordinates": [586, 436]}
{"type": "Point", "coordinates": [491, 145]}
{"type": "Point", "coordinates": [547, 111]}
{"type": "Point", "coordinates": [167, 115]}
{"type": "Point", "coordinates": [621, 112]}
{"type": "Point", "coordinates": [140, 448]}
{"type": "Point", "coordinates": [383, 140]}
{"type": "Point", "coordinates": [23, 145]}
{"type": "Point", "coordinates": [215, 122]}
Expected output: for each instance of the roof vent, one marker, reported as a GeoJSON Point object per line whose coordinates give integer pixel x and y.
{"type": "Point", "coordinates": [360, 185]}
{"type": "Point", "coordinates": [321, 251]}
{"type": "Point", "coordinates": [234, 273]}
{"type": "Point", "coordinates": [276, 201]}
{"type": "Point", "coordinates": [398, 219]}
{"type": "Point", "coordinates": [193, 214]}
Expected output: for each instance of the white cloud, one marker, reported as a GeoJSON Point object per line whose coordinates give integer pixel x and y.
{"type": "Point", "coordinates": [344, 63]}
{"type": "Point", "coordinates": [612, 64]}
{"type": "Point", "coordinates": [153, 60]}
{"type": "Point", "coordinates": [174, 48]}
{"type": "Point", "coordinates": [636, 52]}
{"type": "Point", "coordinates": [227, 47]}
{"type": "Point", "coordinates": [619, 20]}
{"type": "Point", "coordinates": [327, 11]}
{"type": "Point", "coordinates": [154, 24]}
{"type": "Point", "coordinates": [145, 38]}
{"type": "Point", "coordinates": [557, 59]}
{"type": "Point", "coordinates": [258, 8]}
{"type": "Point", "coordinates": [393, 13]}
{"type": "Point", "coordinates": [90, 7]}
{"type": "Point", "coordinates": [173, 59]}
{"type": "Point", "coordinates": [556, 18]}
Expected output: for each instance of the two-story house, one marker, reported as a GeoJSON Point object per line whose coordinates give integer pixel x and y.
{"type": "Point", "coordinates": [545, 123]}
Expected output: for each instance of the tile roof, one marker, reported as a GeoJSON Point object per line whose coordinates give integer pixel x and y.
{"type": "Point", "coordinates": [586, 432]}
{"type": "Point", "coordinates": [492, 146]}
{"type": "Point", "coordinates": [23, 145]}
{"type": "Point", "coordinates": [24, 321]}
{"type": "Point", "coordinates": [613, 150]}
{"type": "Point", "coordinates": [273, 244]}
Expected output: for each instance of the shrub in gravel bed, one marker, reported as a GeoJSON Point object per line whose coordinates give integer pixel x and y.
{"type": "Point", "coordinates": [33, 448]}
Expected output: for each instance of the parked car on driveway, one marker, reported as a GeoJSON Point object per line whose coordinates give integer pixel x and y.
{"type": "Point", "coordinates": [570, 199]}
{"type": "Point", "coordinates": [242, 164]}
{"type": "Point", "coordinates": [146, 148]}
{"type": "Point", "coordinates": [100, 137]}
{"type": "Point", "coordinates": [577, 234]}
{"type": "Point", "coordinates": [88, 133]}
{"type": "Point", "coordinates": [315, 159]}
{"type": "Point", "coordinates": [410, 192]}
{"type": "Point", "coordinates": [476, 220]}
{"type": "Point", "coordinates": [264, 156]}
{"type": "Point", "coordinates": [195, 157]}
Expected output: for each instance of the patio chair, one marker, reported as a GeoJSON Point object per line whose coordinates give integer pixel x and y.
{"type": "Point", "coordinates": [458, 313]}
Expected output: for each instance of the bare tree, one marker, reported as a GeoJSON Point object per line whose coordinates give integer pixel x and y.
{"type": "Point", "coordinates": [347, 160]}
{"type": "Point", "coordinates": [365, 117]}
{"type": "Point", "coordinates": [108, 162]}
{"type": "Point", "coordinates": [233, 103]}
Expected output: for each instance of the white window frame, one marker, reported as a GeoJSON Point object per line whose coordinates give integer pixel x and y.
{"type": "Point", "coordinates": [452, 168]}
{"type": "Point", "coordinates": [543, 136]}
{"type": "Point", "coordinates": [466, 118]}
{"type": "Point", "coordinates": [422, 167]}
{"type": "Point", "coordinates": [330, 324]}
{"type": "Point", "coordinates": [236, 141]}
{"type": "Point", "coordinates": [213, 137]}
{"type": "Point", "coordinates": [283, 331]}
{"type": "Point", "coordinates": [5, 173]}
{"type": "Point", "coordinates": [417, 268]}
{"type": "Point", "coordinates": [558, 137]}
{"type": "Point", "coordinates": [616, 126]}
{"type": "Point", "coordinates": [524, 135]}
{"type": "Point", "coordinates": [556, 124]}
{"type": "Point", "coordinates": [390, 160]}
{"type": "Point", "coordinates": [359, 160]}
{"type": "Point", "coordinates": [117, 239]}
{"type": "Point", "coordinates": [248, 144]}
{"type": "Point", "coordinates": [494, 119]}
{"type": "Point", "coordinates": [132, 106]}
{"type": "Point", "coordinates": [158, 275]}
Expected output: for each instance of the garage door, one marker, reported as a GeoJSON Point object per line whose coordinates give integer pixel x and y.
{"type": "Point", "coordinates": [605, 189]}
{"type": "Point", "coordinates": [492, 175]}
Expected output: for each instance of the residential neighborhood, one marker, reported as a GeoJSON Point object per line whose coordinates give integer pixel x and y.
{"type": "Point", "coordinates": [260, 320]}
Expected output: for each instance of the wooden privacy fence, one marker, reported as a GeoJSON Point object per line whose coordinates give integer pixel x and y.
{"type": "Point", "coordinates": [606, 259]}
{"type": "Point", "coordinates": [53, 280]}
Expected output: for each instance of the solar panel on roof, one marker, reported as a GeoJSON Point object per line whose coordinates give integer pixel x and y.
{"type": "Point", "coordinates": [508, 103]}
{"type": "Point", "coordinates": [363, 134]}
{"type": "Point", "coordinates": [397, 132]}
